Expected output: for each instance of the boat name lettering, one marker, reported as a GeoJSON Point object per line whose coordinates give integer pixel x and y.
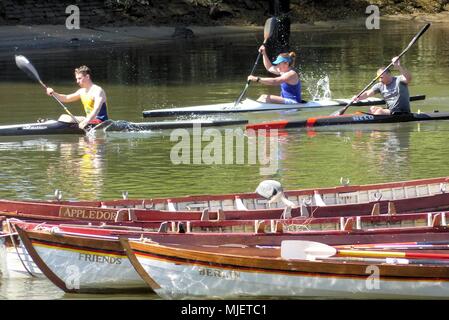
{"type": "Point", "coordinates": [34, 127]}
{"type": "Point", "coordinates": [91, 214]}
{"type": "Point", "coordinates": [99, 259]}
{"type": "Point", "coordinates": [232, 275]}
{"type": "Point", "coordinates": [363, 117]}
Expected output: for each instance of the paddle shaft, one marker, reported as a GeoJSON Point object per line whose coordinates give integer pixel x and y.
{"type": "Point", "coordinates": [415, 38]}
{"type": "Point", "coordinates": [392, 254]}
{"type": "Point", "coordinates": [248, 81]}
{"type": "Point", "coordinates": [61, 104]}
{"type": "Point", "coordinates": [25, 65]}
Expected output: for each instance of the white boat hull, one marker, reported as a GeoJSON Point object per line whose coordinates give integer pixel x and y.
{"type": "Point", "coordinates": [184, 280]}
{"type": "Point", "coordinates": [249, 105]}
{"type": "Point", "coordinates": [90, 271]}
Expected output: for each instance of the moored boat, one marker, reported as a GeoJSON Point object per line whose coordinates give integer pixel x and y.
{"type": "Point", "coordinates": [416, 228]}
{"type": "Point", "coordinates": [394, 197]}
{"type": "Point", "coordinates": [185, 271]}
{"type": "Point", "coordinates": [82, 264]}
{"type": "Point", "coordinates": [361, 118]}
{"type": "Point", "coordinates": [249, 105]}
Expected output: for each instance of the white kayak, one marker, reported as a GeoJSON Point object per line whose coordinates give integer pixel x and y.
{"type": "Point", "coordinates": [249, 105]}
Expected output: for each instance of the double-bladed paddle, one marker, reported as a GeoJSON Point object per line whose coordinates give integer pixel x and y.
{"type": "Point", "coordinates": [25, 65]}
{"type": "Point", "coordinates": [415, 38]}
{"type": "Point", "coordinates": [267, 32]}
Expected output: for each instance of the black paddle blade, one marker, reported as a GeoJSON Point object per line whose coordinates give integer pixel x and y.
{"type": "Point", "coordinates": [25, 65]}
{"type": "Point", "coordinates": [270, 24]}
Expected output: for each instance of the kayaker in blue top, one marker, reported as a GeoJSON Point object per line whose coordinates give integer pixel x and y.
{"type": "Point", "coordinates": [394, 90]}
{"type": "Point", "coordinates": [91, 95]}
{"type": "Point", "coordinates": [287, 78]}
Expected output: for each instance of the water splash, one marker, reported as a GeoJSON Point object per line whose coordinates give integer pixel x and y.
{"type": "Point", "coordinates": [322, 89]}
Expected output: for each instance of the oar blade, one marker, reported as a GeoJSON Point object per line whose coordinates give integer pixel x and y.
{"type": "Point", "coordinates": [25, 65]}
{"type": "Point", "coordinates": [305, 250]}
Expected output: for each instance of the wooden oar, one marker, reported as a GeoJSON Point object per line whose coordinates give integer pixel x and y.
{"type": "Point", "coordinates": [310, 250]}
{"type": "Point", "coordinates": [25, 65]}
{"type": "Point", "coordinates": [267, 32]}
{"type": "Point", "coordinates": [415, 38]}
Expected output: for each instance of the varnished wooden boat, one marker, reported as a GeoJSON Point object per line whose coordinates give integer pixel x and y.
{"type": "Point", "coordinates": [70, 241]}
{"type": "Point", "coordinates": [88, 264]}
{"type": "Point", "coordinates": [179, 272]}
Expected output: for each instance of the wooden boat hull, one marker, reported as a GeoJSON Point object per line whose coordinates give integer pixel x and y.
{"type": "Point", "coordinates": [82, 264]}
{"type": "Point", "coordinates": [348, 119]}
{"type": "Point", "coordinates": [249, 105]}
{"type": "Point", "coordinates": [184, 272]}
{"type": "Point", "coordinates": [66, 238]}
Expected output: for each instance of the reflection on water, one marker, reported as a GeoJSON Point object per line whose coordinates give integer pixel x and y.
{"type": "Point", "coordinates": [207, 72]}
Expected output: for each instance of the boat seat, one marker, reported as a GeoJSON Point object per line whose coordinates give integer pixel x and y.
{"type": "Point", "coordinates": [166, 226]}
{"type": "Point", "coordinates": [205, 215]}
{"type": "Point", "coordinates": [239, 204]}
{"type": "Point", "coordinates": [436, 221]}
{"type": "Point", "coordinates": [121, 213]}
{"type": "Point", "coordinates": [348, 225]}
{"type": "Point", "coordinates": [259, 226]}
{"type": "Point", "coordinates": [182, 227]}
{"type": "Point", "coordinates": [220, 215]}
{"type": "Point", "coordinates": [318, 199]}
{"type": "Point", "coordinates": [170, 206]}
{"type": "Point", "coordinates": [276, 227]}
{"type": "Point", "coordinates": [304, 211]}
{"type": "Point", "coordinates": [391, 208]}
{"type": "Point", "coordinates": [376, 209]}
{"type": "Point", "coordinates": [287, 213]}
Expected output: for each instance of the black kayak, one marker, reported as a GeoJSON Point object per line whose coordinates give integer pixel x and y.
{"type": "Point", "coordinates": [362, 118]}
{"type": "Point", "coordinates": [57, 127]}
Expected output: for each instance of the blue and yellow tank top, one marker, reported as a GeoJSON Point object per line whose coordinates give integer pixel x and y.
{"type": "Point", "coordinates": [88, 104]}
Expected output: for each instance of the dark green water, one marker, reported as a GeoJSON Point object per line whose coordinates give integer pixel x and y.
{"type": "Point", "coordinates": [207, 72]}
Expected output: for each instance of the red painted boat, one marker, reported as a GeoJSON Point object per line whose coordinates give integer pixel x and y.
{"type": "Point", "coordinates": [394, 197]}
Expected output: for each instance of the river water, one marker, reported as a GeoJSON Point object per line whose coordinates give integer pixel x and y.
{"type": "Point", "coordinates": [197, 72]}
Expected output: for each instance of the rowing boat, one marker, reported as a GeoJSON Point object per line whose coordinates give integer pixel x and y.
{"type": "Point", "coordinates": [393, 197]}
{"type": "Point", "coordinates": [359, 118]}
{"type": "Point", "coordinates": [47, 127]}
{"type": "Point", "coordinates": [249, 105]}
{"type": "Point", "coordinates": [186, 271]}
{"type": "Point", "coordinates": [60, 249]}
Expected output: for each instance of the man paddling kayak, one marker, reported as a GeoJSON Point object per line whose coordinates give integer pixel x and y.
{"type": "Point", "coordinates": [393, 89]}
{"type": "Point", "coordinates": [91, 95]}
{"type": "Point", "coordinates": [287, 78]}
